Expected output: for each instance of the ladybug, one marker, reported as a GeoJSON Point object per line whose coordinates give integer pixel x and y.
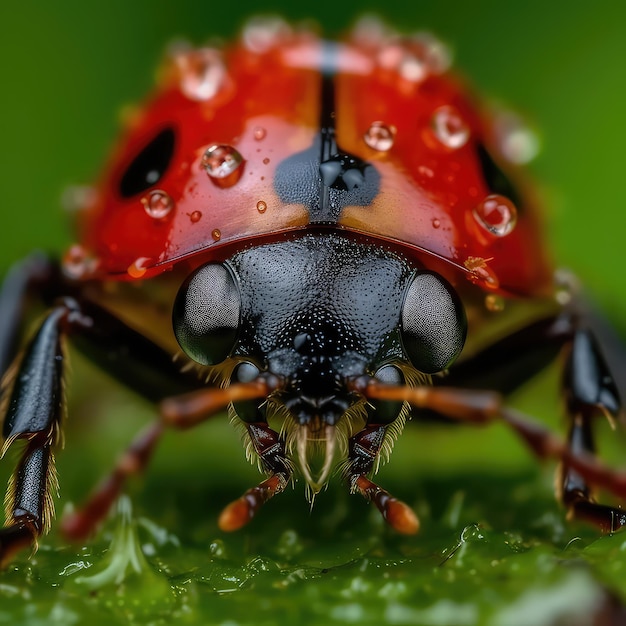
{"type": "Point", "coordinates": [325, 239]}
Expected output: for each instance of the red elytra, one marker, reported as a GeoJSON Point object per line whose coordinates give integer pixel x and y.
{"type": "Point", "coordinates": [395, 108]}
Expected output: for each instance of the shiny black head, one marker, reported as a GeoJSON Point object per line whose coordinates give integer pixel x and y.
{"type": "Point", "coordinates": [316, 312]}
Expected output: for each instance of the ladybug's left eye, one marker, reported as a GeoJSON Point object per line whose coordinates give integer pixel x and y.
{"type": "Point", "coordinates": [206, 314]}
{"type": "Point", "coordinates": [148, 167]}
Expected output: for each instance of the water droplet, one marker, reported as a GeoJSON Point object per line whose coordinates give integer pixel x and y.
{"type": "Point", "coordinates": [379, 136]}
{"type": "Point", "coordinates": [449, 127]}
{"type": "Point", "coordinates": [370, 31]}
{"type": "Point", "coordinates": [496, 214]}
{"type": "Point", "coordinates": [259, 133]}
{"type": "Point", "coordinates": [436, 54]}
{"type": "Point", "coordinates": [261, 34]}
{"type": "Point", "coordinates": [158, 204]}
{"type": "Point", "coordinates": [473, 532]}
{"type": "Point", "coordinates": [201, 71]}
{"type": "Point", "coordinates": [517, 142]}
{"type": "Point", "coordinates": [75, 198]}
{"type": "Point", "coordinates": [412, 68]}
{"type": "Point", "coordinates": [216, 234]}
{"type": "Point", "coordinates": [436, 223]}
{"type": "Point", "coordinates": [426, 172]}
{"type": "Point", "coordinates": [195, 217]}
{"type": "Point", "coordinates": [396, 57]}
{"type": "Point", "coordinates": [494, 303]}
{"type": "Point", "coordinates": [222, 164]}
{"type": "Point", "coordinates": [217, 549]}
{"type": "Point", "coordinates": [563, 297]}
{"type": "Point", "coordinates": [138, 267]}
{"type": "Point", "coordinates": [566, 286]}
{"type": "Point", "coordinates": [261, 206]}
{"type": "Point", "coordinates": [416, 57]}
{"type": "Point", "coordinates": [480, 272]}
{"type": "Point", "coordinates": [289, 544]}
{"type": "Point", "coordinates": [79, 263]}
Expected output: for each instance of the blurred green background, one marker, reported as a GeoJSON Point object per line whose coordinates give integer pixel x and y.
{"type": "Point", "coordinates": [67, 70]}
{"type": "Point", "coordinates": [68, 67]}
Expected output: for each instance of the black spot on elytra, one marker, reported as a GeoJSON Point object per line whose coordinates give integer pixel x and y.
{"type": "Point", "coordinates": [497, 181]}
{"type": "Point", "coordinates": [148, 167]}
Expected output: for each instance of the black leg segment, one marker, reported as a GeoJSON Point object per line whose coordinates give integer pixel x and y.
{"type": "Point", "coordinates": [33, 399]}
{"type": "Point", "coordinates": [34, 410]}
{"type": "Point", "coordinates": [33, 272]}
{"type": "Point", "coordinates": [590, 392]}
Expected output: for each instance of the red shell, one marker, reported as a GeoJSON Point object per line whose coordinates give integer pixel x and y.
{"type": "Point", "coordinates": [265, 102]}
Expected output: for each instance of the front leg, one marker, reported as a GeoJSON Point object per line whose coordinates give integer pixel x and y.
{"type": "Point", "coordinates": [363, 451]}
{"type": "Point", "coordinates": [180, 412]}
{"type": "Point", "coordinates": [34, 410]}
{"type": "Point", "coordinates": [270, 449]}
{"type": "Point", "coordinates": [34, 273]}
{"type": "Point", "coordinates": [33, 399]}
{"type": "Point", "coordinates": [482, 406]}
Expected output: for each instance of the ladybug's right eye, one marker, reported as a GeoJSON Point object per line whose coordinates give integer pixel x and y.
{"type": "Point", "coordinates": [434, 325]}
{"type": "Point", "coordinates": [148, 167]}
{"type": "Point", "coordinates": [206, 314]}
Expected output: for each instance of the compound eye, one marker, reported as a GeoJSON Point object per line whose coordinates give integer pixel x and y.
{"type": "Point", "coordinates": [434, 325]}
{"type": "Point", "coordinates": [149, 166]}
{"type": "Point", "coordinates": [206, 314]}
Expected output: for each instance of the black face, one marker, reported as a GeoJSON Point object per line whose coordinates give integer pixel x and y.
{"type": "Point", "coordinates": [317, 311]}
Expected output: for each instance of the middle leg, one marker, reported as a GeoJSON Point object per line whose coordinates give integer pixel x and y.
{"type": "Point", "coordinates": [180, 412]}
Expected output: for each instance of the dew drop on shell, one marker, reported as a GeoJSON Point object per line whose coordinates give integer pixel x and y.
{"type": "Point", "coordinates": [259, 133]}
{"type": "Point", "coordinates": [518, 143]}
{"type": "Point", "coordinates": [79, 263]}
{"type": "Point", "coordinates": [261, 34]}
{"type": "Point", "coordinates": [138, 267]}
{"type": "Point", "coordinates": [222, 164]}
{"type": "Point", "coordinates": [496, 214]}
{"type": "Point", "coordinates": [158, 204]}
{"type": "Point", "coordinates": [379, 136]}
{"type": "Point", "coordinates": [449, 127]}
{"type": "Point", "coordinates": [201, 72]}
{"type": "Point", "coordinates": [416, 57]}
